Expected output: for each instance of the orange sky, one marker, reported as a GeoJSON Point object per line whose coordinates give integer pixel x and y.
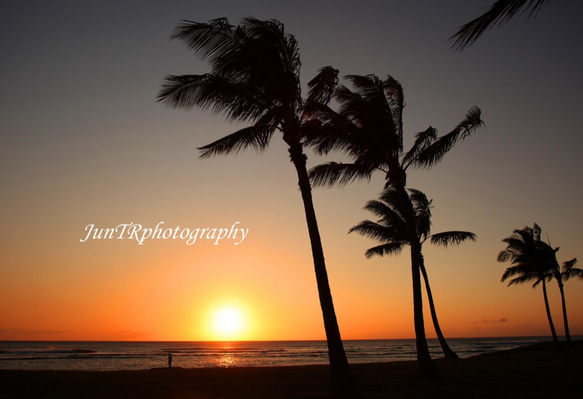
{"type": "Point", "coordinates": [167, 290]}
{"type": "Point", "coordinates": [86, 143]}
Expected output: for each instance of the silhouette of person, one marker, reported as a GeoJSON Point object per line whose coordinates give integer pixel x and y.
{"type": "Point", "coordinates": [169, 359]}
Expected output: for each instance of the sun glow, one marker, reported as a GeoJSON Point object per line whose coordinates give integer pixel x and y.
{"type": "Point", "coordinates": [228, 323]}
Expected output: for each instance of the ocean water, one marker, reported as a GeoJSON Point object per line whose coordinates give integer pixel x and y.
{"type": "Point", "coordinates": [102, 356]}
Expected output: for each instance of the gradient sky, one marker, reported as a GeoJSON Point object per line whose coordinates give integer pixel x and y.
{"type": "Point", "coordinates": [84, 141]}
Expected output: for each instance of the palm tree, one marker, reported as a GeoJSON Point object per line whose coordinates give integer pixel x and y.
{"type": "Point", "coordinates": [369, 128]}
{"type": "Point", "coordinates": [568, 271]}
{"type": "Point", "coordinates": [391, 229]}
{"type": "Point", "coordinates": [563, 274]}
{"type": "Point", "coordinates": [499, 13]}
{"type": "Point", "coordinates": [255, 78]}
{"type": "Point", "coordinates": [532, 260]}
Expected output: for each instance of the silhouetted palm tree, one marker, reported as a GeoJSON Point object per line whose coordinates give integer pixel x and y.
{"type": "Point", "coordinates": [500, 12]}
{"type": "Point", "coordinates": [391, 229]}
{"type": "Point", "coordinates": [532, 260]}
{"type": "Point", "coordinates": [568, 270]}
{"type": "Point", "coordinates": [368, 127]}
{"type": "Point", "coordinates": [255, 78]}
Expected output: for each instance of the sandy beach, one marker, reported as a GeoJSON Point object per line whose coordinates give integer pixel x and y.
{"type": "Point", "coordinates": [536, 371]}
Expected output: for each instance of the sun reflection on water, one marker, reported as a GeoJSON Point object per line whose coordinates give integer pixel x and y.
{"type": "Point", "coordinates": [227, 360]}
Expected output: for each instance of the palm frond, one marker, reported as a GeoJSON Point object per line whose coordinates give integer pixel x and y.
{"type": "Point", "coordinates": [365, 85]}
{"type": "Point", "coordinates": [375, 231]}
{"type": "Point", "coordinates": [208, 40]}
{"type": "Point", "coordinates": [363, 128]}
{"type": "Point", "coordinates": [389, 217]}
{"type": "Point", "coordinates": [382, 209]}
{"type": "Point", "coordinates": [422, 141]}
{"type": "Point", "coordinates": [330, 140]}
{"type": "Point", "coordinates": [322, 86]}
{"type": "Point", "coordinates": [422, 209]}
{"type": "Point", "coordinates": [369, 107]}
{"type": "Point", "coordinates": [235, 100]}
{"type": "Point", "coordinates": [277, 49]}
{"type": "Point", "coordinates": [392, 197]}
{"type": "Point", "coordinates": [514, 242]}
{"type": "Point", "coordinates": [258, 54]}
{"type": "Point", "coordinates": [452, 238]}
{"type": "Point", "coordinates": [569, 264]}
{"type": "Point", "coordinates": [524, 279]}
{"type": "Point", "coordinates": [326, 130]}
{"type": "Point", "coordinates": [437, 150]}
{"type": "Point", "coordinates": [420, 201]}
{"type": "Point", "coordinates": [512, 271]}
{"type": "Point", "coordinates": [521, 242]}
{"type": "Point", "coordinates": [570, 271]}
{"type": "Point", "coordinates": [500, 12]}
{"type": "Point", "coordinates": [348, 98]}
{"type": "Point", "coordinates": [335, 173]}
{"type": "Point", "coordinates": [575, 273]}
{"type": "Point", "coordinates": [504, 256]}
{"type": "Point", "coordinates": [396, 102]}
{"type": "Point", "coordinates": [256, 136]}
{"type": "Point", "coordinates": [385, 249]}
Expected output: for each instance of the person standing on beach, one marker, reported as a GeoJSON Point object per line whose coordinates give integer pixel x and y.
{"type": "Point", "coordinates": [169, 360]}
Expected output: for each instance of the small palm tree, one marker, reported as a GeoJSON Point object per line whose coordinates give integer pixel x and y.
{"type": "Point", "coordinates": [255, 78]}
{"type": "Point", "coordinates": [500, 12]}
{"type": "Point", "coordinates": [561, 275]}
{"type": "Point", "coordinates": [532, 260]}
{"type": "Point", "coordinates": [568, 271]}
{"type": "Point", "coordinates": [392, 230]}
{"type": "Point", "coordinates": [368, 127]}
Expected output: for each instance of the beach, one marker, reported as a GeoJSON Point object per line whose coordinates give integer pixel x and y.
{"type": "Point", "coordinates": [534, 371]}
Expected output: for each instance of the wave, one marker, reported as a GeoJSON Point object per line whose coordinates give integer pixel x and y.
{"type": "Point", "coordinates": [26, 352]}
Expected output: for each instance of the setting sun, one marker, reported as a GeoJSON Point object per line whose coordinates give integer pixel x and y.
{"type": "Point", "coordinates": [228, 322]}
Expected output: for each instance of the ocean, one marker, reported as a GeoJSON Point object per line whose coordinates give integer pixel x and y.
{"type": "Point", "coordinates": [105, 356]}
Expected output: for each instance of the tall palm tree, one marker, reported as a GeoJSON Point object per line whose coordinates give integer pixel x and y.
{"type": "Point", "coordinates": [255, 78]}
{"type": "Point", "coordinates": [368, 127]}
{"type": "Point", "coordinates": [499, 13]}
{"type": "Point", "coordinates": [391, 229]}
{"type": "Point", "coordinates": [532, 260]}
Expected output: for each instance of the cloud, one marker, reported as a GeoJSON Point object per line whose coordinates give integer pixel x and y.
{"type": "Point", "coordinates": [487, 321]}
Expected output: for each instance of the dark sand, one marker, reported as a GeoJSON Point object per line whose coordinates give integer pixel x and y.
{"type": "Point", "coordinates": [537, 371]}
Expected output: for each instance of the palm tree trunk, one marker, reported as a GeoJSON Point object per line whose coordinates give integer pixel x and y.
{"type": "Point", "coordinates": [426, 367]}
{"type": "Point", "coordinates": [553, 332]}
{"type": "Point", "coordinates": [447, 351]}
{"type": "Point", "coordinates": [342, 382]}
{"type": "Point", "coordinates": [563, 303]}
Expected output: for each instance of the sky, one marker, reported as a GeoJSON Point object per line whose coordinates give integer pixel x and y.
{"type": "Point", "coordinates": [85, 142]}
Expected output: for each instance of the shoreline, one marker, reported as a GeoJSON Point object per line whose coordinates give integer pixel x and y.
{"type": "Point", "coordinates": [532, 371]}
